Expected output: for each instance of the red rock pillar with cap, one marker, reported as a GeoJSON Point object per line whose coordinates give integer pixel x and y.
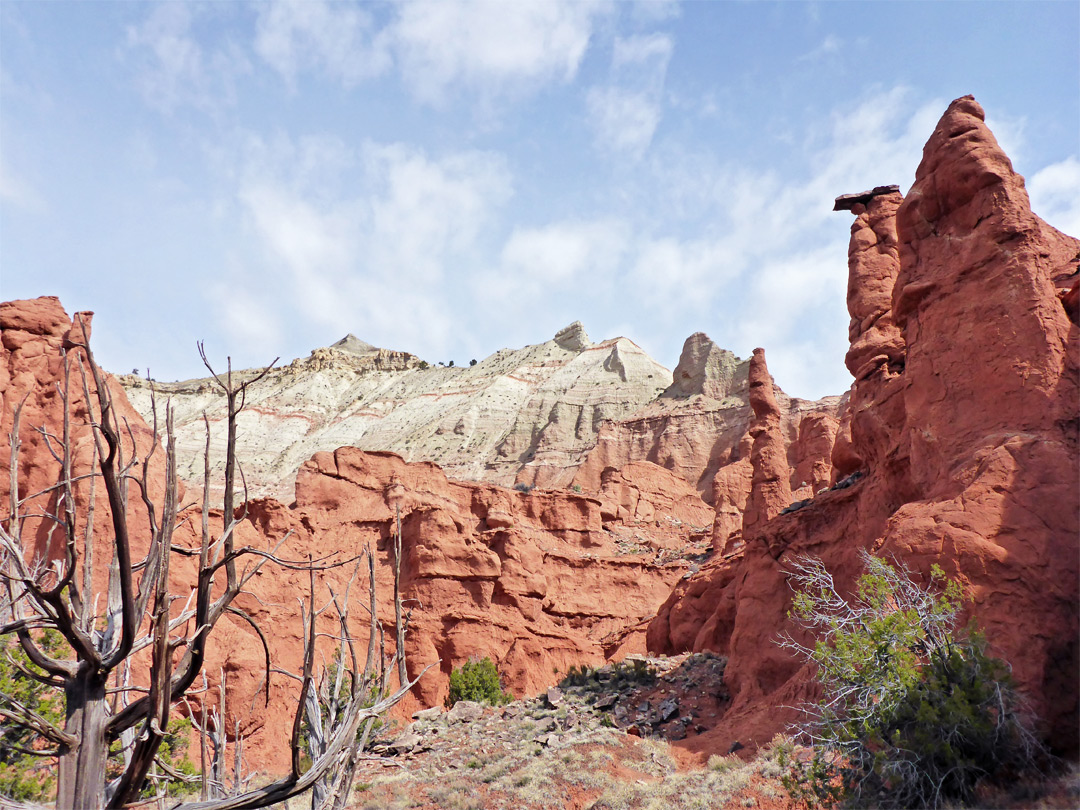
{"type": "Point", "coordinates": [876, 355]}
{"type": "Point", "coordinates": [770, 488]}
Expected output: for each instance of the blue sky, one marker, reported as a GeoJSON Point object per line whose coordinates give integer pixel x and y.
{"type": "Point", "coordinates": [455, 177]}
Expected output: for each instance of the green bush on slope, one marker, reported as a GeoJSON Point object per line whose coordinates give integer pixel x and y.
{"type": "Point", "coordinates": [477, 681]}
{"type": "Point", "coordinates": [914, 712]}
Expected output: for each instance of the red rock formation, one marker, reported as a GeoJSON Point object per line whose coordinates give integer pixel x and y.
{"type": "Point", "coordinates": [538, 581]}
{"type": "Point", "coordinates": [644, 493]}
{"type": "Point", "coordinates": [695, 429]}
{"type": "Point", "coordinates": [810, 455]}
{"type": "Point", "coordinates": [770, 484]}
{"type": "Point", "coordinates": [531, 580]}
{"type": "Point", "coordinates": [992, 405]}
{"type": "Point", "coordinates": [964, 426]}
{"type": "Point", "coordinates": [731, 489]}
{"type": "Point", "coordinates": [34, 334]}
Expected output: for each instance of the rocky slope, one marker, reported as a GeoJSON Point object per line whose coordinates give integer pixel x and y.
{"type": "Point", "coordinates": [539, 581]}
{"type": "Point", "coordinates": [556, 414]}
{"type": "Point", "coordinates": [959, 442]}
{"type": "Point", "coordinates": [526, 415]}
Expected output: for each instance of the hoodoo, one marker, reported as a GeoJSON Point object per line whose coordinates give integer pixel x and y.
{"type": "Point", "coordinates": [958, 444]}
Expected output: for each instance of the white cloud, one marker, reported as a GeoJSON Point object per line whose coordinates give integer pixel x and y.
{"type": "Point", "coordinates": [676, 277]}
{"type": "Point", "coordinates": [1011, 134]}
{"type": "Point", "coordinates": [19, 193]}
{"type": "Point", "coordinates": [563, 267]}
{"type": "Point", "coordinates": [172, 69]}
{"type": "Point", "coordinates": [566, 251]}
{"type": "Point", "coordinates": [652, 50]}
{"type": "Point", "coordinates": [770, 241]}
{"type": "Point", "coordinates": [427, 210]}
{"type": "Point", "coordinates": [625, 113]}
{"type": "Point", "coordinates": [489, 45]}
{"type": "Point", "coordinates": [648, 12]}
{"type": "Point", "coordinates": [366, 242]}
{"type": "Point", "coordinates": [1055, 194]}
{"type": "Point", "coordinates": [623, 120]}
{"type": "Point", "coordinates": [828, 47]}
{"type": "Point", "coordinates": [336, 38]}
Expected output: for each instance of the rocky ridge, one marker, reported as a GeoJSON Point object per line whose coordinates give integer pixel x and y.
{"type": "Point", "coordinates": [555, 414]}
{"type": "Point", "coordinates": [519, 416]}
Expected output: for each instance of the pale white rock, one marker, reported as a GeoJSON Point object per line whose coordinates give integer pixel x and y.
{"type": "Point", "coordinates": [704, 368]}
{"type": "Point", "coordinates": [519, 416]}
{"type": "Point", "coordinates": [573, 338]}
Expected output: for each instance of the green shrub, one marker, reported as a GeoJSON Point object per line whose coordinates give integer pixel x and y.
{"type": "Point", "coordinates": [25, 776]}
{"type": "Point", "coordinates": [477, 681]}
{"type": "Point", "coordinates": [31, 777]}
{"type": "Point", "coordinates": [914, 712]}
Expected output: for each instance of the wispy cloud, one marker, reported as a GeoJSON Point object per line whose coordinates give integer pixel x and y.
{"type": "Point", "coordinates": [490, 46]}
{"type": "Point", "coordinates": [829, 46]}
{"type": "Point", "coordinates": [625, 112]}
{"type": "Point", "coordinates": [377, 249]}
{"type": "Point", "coordinates": [440, 50]}
{"type": "Point", "coordinates": [172, 69]}
{"type": "Point", "coordinates": [565, 260]}
{"type": "Point", "coordinates": [1055, 194]}
{"type": "Point", "coordinates": [340, 40]}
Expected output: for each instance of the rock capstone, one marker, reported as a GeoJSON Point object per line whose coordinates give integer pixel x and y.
{"type": "Point", "coordinates": [573, 338]}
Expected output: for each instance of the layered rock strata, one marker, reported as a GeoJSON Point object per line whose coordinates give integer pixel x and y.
{"type": "Point", "coordinates": [538, 581]}
{"type": "Point", "coordinates": [699, 427]}
{"type": "Point", "coordinates": [527, 416]}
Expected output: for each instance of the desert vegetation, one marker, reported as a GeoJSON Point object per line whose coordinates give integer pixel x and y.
{"type": "Point", "coordinates": [477, 681]}
{"type": "Point", "coordinates": [914, 711]}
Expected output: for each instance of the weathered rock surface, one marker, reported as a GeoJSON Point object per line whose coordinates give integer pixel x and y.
{"type": "Point", "coordinates": [527, 416]}
{"type": "Point", "coordinates": [34, 335]}
{"type": "Point", "coordinates": [956, 445]}
{"type": "Point", "coordinates": [704, 368]}
{"type": "Point", "coordinates": [770, 482]}
{"type": "Point", "coordinates": [696, 427]}
{"type": "Point", "coordinates": [961, 429]}
{"type": "Point", "coordinates": [538, 581]}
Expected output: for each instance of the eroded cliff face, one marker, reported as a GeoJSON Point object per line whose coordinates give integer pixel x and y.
{"type": "Point", "coordinates": [524, 416]}
{"type": "Point", "coordinates": [538, 581]}
{"type": "Point", "coordinates": [958, 446]}
{"type": "Point", "coordinates": [34, 336]}
{"type": "Point", "coordinates": [699, 428]}
{"type": "Point", "coordinates": [554, 415]}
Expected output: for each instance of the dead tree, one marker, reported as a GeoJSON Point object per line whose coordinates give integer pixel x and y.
{"type": "Point", "coordinates": [135, 614]}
